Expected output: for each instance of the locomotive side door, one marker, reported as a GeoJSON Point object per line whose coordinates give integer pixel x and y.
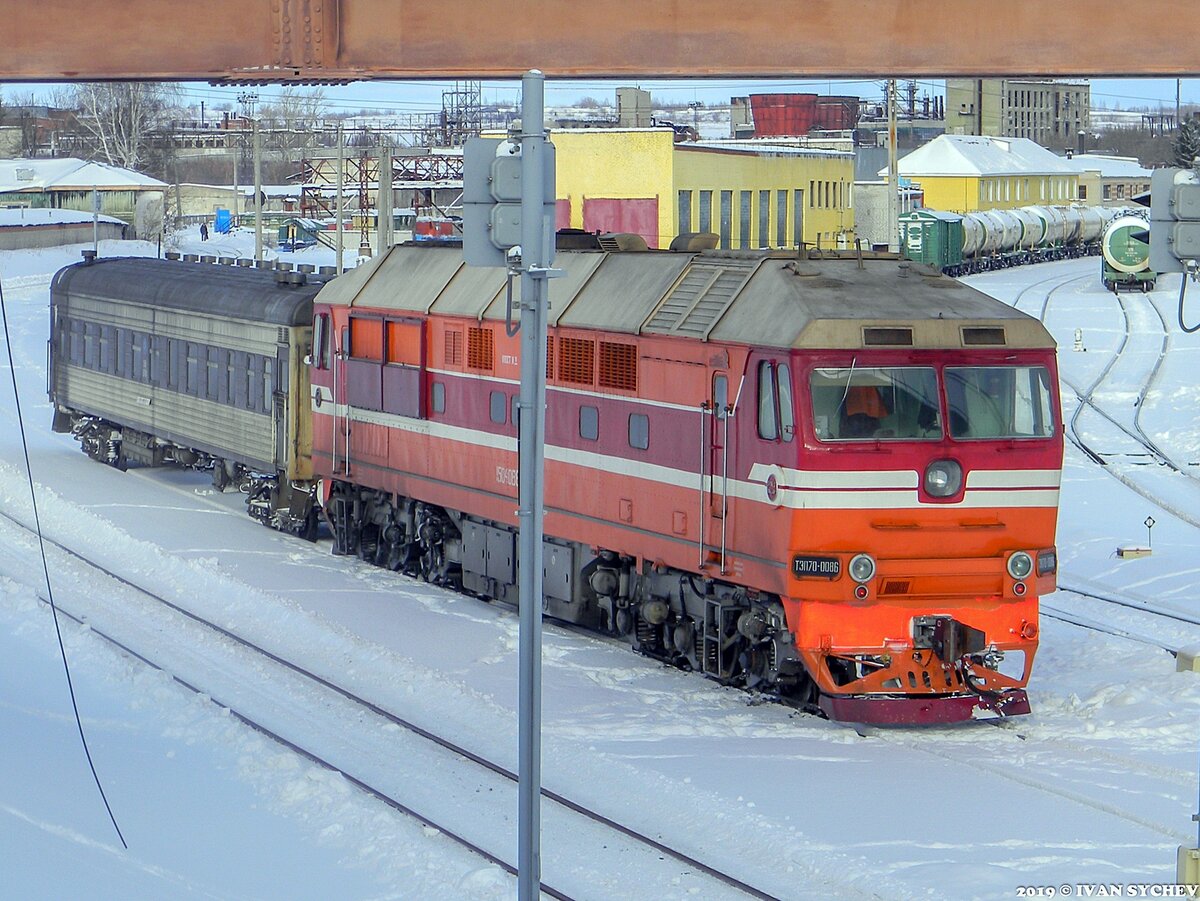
{"type": "Point", "coordinates": [716, 414]}
{"type": "Point", "coordinates": [718, 450]}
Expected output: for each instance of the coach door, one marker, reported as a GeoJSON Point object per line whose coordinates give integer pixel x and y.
{"type": "Point", "coordinates": [279, 392]}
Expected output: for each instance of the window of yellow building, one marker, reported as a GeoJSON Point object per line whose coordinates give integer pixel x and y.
{"type": "Point", "coordinates": [764, 218]}
{"type": "Point", "coordinates": [744, 227]}
{"type": "Point", "coordinates": [705, 211]}
{"type": "Point", "coordinates": [781, 201]}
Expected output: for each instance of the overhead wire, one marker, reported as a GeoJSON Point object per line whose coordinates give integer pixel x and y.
{"type": "Point", "coordinates": [46, 572]}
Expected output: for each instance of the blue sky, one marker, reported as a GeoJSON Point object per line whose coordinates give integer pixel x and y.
{"type": "Point", "coordinates": [426, 96]}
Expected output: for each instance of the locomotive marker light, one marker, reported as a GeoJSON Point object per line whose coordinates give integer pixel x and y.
{"type": "Point", "coordinates": [508, 202]}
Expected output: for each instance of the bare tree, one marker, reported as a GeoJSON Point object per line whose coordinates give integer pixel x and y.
{"type": "Point", "coordinates": [120, 118]}
{"type": "Point", "coordinates": [293, 117]}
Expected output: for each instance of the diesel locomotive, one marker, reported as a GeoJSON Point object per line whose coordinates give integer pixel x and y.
{"type": "Point", "coordinates": [829, 477]}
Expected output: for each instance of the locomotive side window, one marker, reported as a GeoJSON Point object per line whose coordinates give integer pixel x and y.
{"type": "Point", "coordinates": [589, 423]}
{"type": "Point", "coordinates": [438, 397]}
{"type": "Point", "coordinates": [639, 431]}
{"type": "Point", "coordinates": [768, 426]}
{"type": "Point", "coordinates": [720, 396]}
{"type": "Point", "coordinates": [783, 389]}
{"type": "Point", "coordinates": [498, 407]}
{"type": "Point", "coordinates": [875, 404]}
{"type": "Point", "coordinates": [320, 339]}
{"type": "Point", "coordinates": [999, 402]}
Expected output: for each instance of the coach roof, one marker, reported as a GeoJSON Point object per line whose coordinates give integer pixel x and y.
{"type": "Point", "coordinates": [224, 292]}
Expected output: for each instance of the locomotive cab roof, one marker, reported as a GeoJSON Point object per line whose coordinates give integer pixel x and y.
{"type": "Point", "coordinates": [760, 298]}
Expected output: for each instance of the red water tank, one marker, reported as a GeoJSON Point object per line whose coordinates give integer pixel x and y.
{"type": "Point", "coordinates": [782, 114]}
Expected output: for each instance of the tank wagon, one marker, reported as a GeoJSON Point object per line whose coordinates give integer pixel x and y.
{"type": "Point", "coordinates": [831, 479]}
{"type": "Point", "coordinates": [1126, 255]}
{"type": "Point", "coordinates": [155, 362]}
{"type": "Point", "coordinates": [960, 244]}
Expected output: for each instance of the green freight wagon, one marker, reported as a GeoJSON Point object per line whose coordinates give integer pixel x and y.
{"type": "Point", "coordinates": [1126, 253]}
{"type": "Point", "coordinates": [934, 238]}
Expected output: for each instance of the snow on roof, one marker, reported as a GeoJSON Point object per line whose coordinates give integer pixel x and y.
{"type": "Point", "coordinates": [22, 216]}
{"type": "Point", "coordinates": [273, 190]}
{"type": "Point", "coordinates": [981, 155]}
{"type": "Point", "coordinates": [760, 148]}
{"type": "Point", "coordinates": [1108, 166]}
{"type": "Point", "coordinates": [20, 176]}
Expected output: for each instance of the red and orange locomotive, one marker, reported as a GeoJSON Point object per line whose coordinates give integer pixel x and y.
{"type": "Point", "coordinates": [833, 478]}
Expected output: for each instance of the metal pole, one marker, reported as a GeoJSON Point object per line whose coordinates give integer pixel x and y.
{"type": "Point", "coordinates": [258, 234]}
{"type": "Point", "coordinates": [536, 255]}
{"type": "Point", "coordinates": [96, 221]}
{"type": "Point", "coordinates": [341, 210]}
{"type": "Point", "coordinates": [893, 171]}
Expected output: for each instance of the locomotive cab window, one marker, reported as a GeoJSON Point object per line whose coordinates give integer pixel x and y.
{"type": "Point", "coordinates": [776, 416]}
{"type": "Point", "coordinates": [875, 404]}
{"type": "Point", "coordinates": [999, 402]}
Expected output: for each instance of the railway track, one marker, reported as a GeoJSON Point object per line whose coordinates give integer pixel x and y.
{"type": "Point", "coordinates": [1142, 449]}
{"type": "Point", "coordinates": [621, 844]}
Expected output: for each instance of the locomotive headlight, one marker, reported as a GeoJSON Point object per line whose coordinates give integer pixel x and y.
{"type": "Point", "coordinates": [862, 568]}
{"type": "Point", "coordinates": [1020, 565]}
{"type": "Point", "coordinates": [943, 478]}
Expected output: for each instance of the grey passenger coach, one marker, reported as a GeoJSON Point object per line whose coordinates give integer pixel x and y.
{"type": "Point", "coordinates": [157, 362]}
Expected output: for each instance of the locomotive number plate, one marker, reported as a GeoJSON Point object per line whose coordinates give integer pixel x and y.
{"type": "Point", "coordinates": [805, 567]}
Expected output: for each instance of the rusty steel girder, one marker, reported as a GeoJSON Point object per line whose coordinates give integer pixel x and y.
{"type": "Point", "coordinates": [247, 41]}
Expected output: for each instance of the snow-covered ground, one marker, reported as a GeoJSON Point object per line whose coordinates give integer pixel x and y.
{"type": "Point", "coordinates": [1097, 785]}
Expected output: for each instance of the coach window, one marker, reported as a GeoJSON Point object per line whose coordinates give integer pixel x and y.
{"type": "Point", "coordinates": [174, 361]}
{"type": "Point", "coordinates": [266, 392]}
{"type": "Point", "coordinates": [438, 397]}
{"type": "Point", "coordinates": [89, 345]}
{"type": "Point", "coordinates": [191, 371]}
{"type": "Point", "coordinates": [105, 348]}
{"type": "Point", "coordinates": [499, 407]}
{"type": "Point", "coordinates": [253, 381]}
{"type": "Point", "coordinates": [212, 370]}
{"type": "Point", "coordinates": [589, 423]}
{"type": "Point", "coordinates": [639, 431]}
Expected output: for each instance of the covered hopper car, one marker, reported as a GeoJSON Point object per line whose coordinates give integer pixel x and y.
{"type": "Point", "coordinates": [831, 479]}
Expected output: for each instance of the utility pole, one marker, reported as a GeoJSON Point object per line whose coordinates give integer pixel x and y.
{"type": "Point", "coordinates": [384, 204]}
{"type": "Point", "coordinates": [341, 210]}
{"type": "Point", "coordinates": [536, 255]}
{"type": "Point", "coordinates": [258, 234]}
{"type": "Point", "coordinates": [893, 208]}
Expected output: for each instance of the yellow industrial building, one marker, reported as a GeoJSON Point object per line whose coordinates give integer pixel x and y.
{"type": "Point", "coordinates": [752, 194]}
{"type": "Point", "coordinates": [966, 173]}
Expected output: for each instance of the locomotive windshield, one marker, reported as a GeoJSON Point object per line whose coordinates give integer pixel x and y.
{"type": "Point", "coordinates": [903, 403]}
{"type": "Point", "coordinates": [878, 404]}
{"type": "Point", "coordinates": [999, 402]}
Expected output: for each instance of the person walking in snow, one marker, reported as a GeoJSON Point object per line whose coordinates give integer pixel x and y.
{"type": "Point", "coordinates": [203, 231]}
